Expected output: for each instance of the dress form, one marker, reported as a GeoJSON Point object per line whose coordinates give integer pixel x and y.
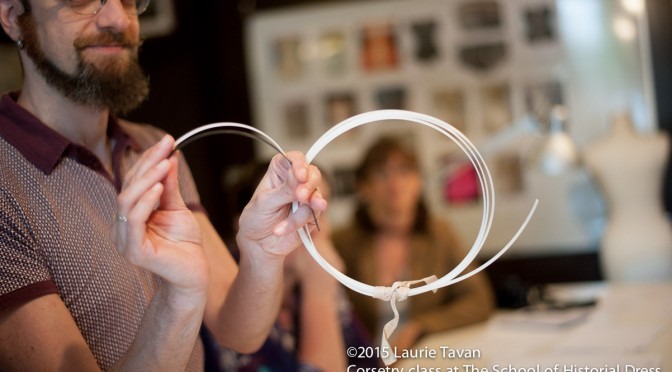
{"type": "Point", "coordinates": [637, 241]}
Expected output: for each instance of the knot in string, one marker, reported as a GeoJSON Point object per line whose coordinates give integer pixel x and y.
{"type": "Point", "coordinates": [397, 292]}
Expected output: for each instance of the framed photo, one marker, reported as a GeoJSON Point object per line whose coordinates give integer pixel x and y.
{"type": "Point", "coordinates": [477, 15]}
{"type": "Point", "coordinates": [296, 119]}
{"type": "Point", "coordinates": [333, 54]}
{"type": "Point", "coordinates": [424, 35]}
{"type": "Point", "coordinates": [540, 23]}
{"type": "Point", "coordinates": [379, 49]}
{"type": "Point", "coordinates": [287, 57]}
{"type": "Point", "coordinates": [460, 184]}
{"type": "Point", "coordinates": [483, 57]}
{"type": "Point", "coordinates": [496, 104]}
{"type": "Point", "coordinates": [338, 106]}
{"type": "Point", "coordinates": [343, 182]}
{"type": "Point", "coordinates": [449, 106]}
{"type": "Point", "coordinates": [393, 97]}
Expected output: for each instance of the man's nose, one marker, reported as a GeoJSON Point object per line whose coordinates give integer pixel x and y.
{"type": "Point", "coordinates": [114, 16]}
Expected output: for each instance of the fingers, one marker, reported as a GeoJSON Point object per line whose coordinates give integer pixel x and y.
{"type": "Point", "coordinates": [287, 182]}
{"type": "Point", "coordinates": [150, 158]}
{"type": "Point", "coordinates": [135, 228]}
{"type": "Point", "coordinates": [134, 189]}
{"type": "Point", "coordinates": [302, 182]}
{"type": "Point", "coordinates": [268, 219]}
{"type": "Point", "coordinates": [131, 232]}
{"type": "Point", "coordinates": [142, 191]}
{"type": "Point", "coordinates": [151, 168]}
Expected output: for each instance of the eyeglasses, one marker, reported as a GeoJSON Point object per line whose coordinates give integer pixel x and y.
{"type": "Point", "coordinates": [92, 7]}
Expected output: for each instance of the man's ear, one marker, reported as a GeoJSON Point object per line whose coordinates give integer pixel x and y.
{"type": "Point", "coordinates": [10, 10]}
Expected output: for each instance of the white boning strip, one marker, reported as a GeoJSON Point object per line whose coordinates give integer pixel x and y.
{"type": "Point", "coordinates": [485, 179]}
{"type": "Point", "coordinates": [487, 189]}
{"type": "Point", "coordinates": [400, 290]}
{"type": "Point", "coordinates": [226, 125]}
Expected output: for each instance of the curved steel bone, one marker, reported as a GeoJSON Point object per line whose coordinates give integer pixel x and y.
{"type": "Point", "coordinates": [230, 128]}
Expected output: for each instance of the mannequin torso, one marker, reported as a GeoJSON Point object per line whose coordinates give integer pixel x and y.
{"type": "Point", "coordinates": [637, 243]}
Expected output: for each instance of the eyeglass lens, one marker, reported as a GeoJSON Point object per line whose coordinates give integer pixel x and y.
{"type": "Point", "coordinates": [91, 7]}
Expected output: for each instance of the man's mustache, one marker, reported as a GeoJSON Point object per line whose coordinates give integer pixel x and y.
{"type": "Point", "coordinates": [107, 39]}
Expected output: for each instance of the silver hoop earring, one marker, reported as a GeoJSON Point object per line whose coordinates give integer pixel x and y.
{"type": "Point", "coordinates": [20, 43]}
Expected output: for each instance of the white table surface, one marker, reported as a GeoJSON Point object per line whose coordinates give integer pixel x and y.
{"type": "Point", "coordinates": [630, 330]}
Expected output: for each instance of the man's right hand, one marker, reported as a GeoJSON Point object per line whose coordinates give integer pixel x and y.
{"type": "Point", "coordinates": [160, 233]}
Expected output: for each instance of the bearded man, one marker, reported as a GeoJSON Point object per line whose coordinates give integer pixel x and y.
{"type": "Point", "coordinates": [107, 260]}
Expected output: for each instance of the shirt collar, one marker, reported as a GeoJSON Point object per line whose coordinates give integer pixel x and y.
{"type": "Point", "coordinates": [38, 143]}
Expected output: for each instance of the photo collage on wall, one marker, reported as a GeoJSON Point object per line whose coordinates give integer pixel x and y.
{"type": "Point", "coordinates": [459, 61]}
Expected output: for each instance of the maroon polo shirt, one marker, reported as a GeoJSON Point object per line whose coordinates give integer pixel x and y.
{"type": "Point", "coordinates": [57, 208]}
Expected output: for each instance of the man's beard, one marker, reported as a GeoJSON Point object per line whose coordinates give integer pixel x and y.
{"type": "Point", "coordinates": [113, 86]}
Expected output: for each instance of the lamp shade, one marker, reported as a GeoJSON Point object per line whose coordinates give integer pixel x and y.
{"type": "Point", "coordinates": [558, 151]}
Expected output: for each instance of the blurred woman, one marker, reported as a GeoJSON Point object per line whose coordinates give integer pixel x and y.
{"type": "Point", "coordinates": [392, 237]}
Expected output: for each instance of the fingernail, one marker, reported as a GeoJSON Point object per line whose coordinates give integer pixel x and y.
{"type": "Point", "coordinates": [165, 140]}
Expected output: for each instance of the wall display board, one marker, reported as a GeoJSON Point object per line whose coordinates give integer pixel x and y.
{"type": "Point", "coordinates": [484, 66]}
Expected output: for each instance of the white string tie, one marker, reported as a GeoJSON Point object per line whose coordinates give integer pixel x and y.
{"type": "Point", "coordinates": [397, 292]}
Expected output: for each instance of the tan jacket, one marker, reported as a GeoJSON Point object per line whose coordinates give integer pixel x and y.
{"type": "Point", "coordinates": [435, 252]}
